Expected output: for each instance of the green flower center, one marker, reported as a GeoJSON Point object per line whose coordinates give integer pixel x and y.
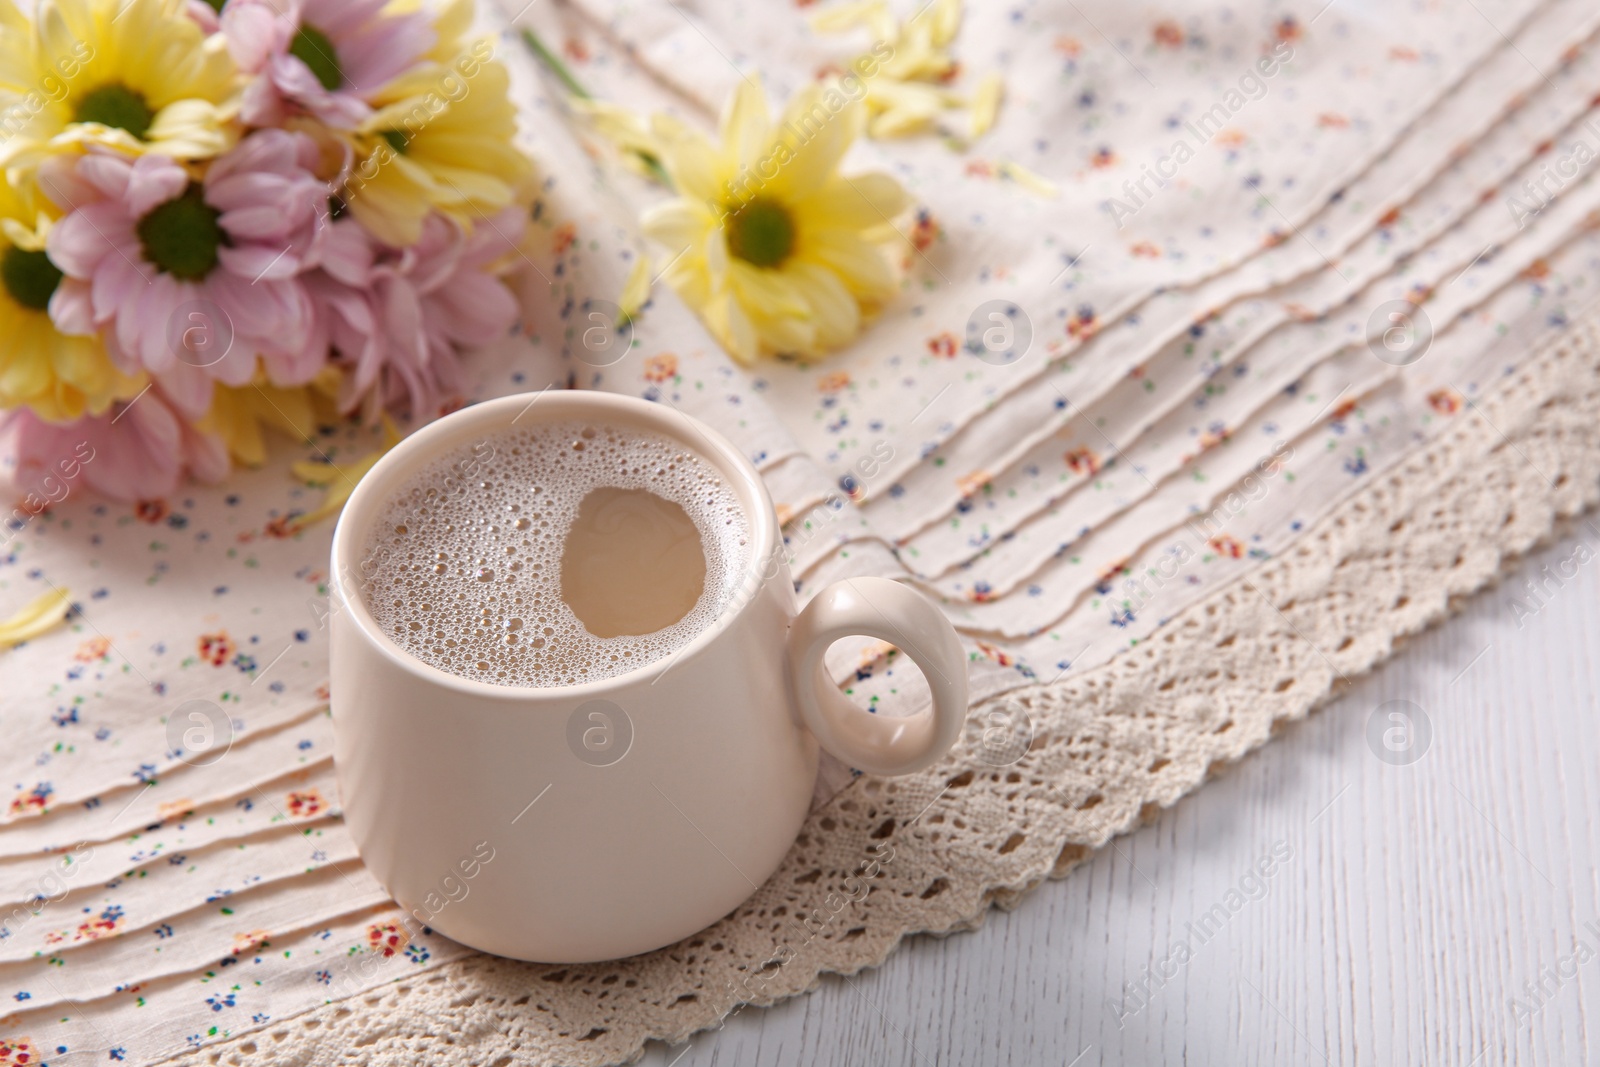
{"type": "Point", "coordinates": [216, 5]}
{"type": "Point", "coordinates": [312, 47]}
{"type": "Point", "coordinates": [117, 106]}
{"type": "Point", "coordinates": [397, 140]}
{"type": "Point", "coordinates": [761, 233]}
{"type": "Point", "coordinates": [182, 236]}
{"type": "Point", "coordinates": [29, 277]}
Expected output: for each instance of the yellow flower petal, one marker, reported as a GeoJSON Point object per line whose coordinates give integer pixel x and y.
{"type": "Point", "coordinates": [944, 20]}
{"type": "Point", "coordinates": [728, 321]}
{"type": "Point", "coordinates": [986, 104]}
{"type": "Point", "coordinates": [38, 616]}
{"type": "Point", "coordinates": [767, 290]}
{"type": "Point", "coordinates": [816, 131]}
{"type": "Point", "coordinates": [834, 312]}
{"type": "Point", "coordinates": [746, 128]}
{"type": "Point", "coordinates": [841, 18]}
{"type": "Point", "coordinates": [859, 263]}
{"type": "Point", "coordinates": [860, 201]}
{"type": "Point", "coordinates": [902, 107]}
{"type": "Point", "coordinates": [635, 291]}
{"type": "Point", "coordinates": [689, 157]}
{"type": "Point", "coordinates": [677, 224]}
{"type": "Point", "coordinates": [1026, 178]}
{"type": "Point", "coordinates": [630, 132]}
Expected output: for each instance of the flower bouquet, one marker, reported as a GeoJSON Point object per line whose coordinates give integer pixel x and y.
{"type": "Point", "coordinates": [218, 217]}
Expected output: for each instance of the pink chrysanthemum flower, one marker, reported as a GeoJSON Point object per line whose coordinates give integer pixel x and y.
{"type": "Point", "coordinates": [397, 319]}
{"type": "Point", "coordinates": [192, 281]}
{"type": "Point", "coordinates": [138, 450]}
{"type": "Point", "coordinates": [326, 59]}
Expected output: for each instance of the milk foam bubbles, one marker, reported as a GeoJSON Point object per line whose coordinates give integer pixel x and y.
{"type": "Point", "coordinates": [464, 565]}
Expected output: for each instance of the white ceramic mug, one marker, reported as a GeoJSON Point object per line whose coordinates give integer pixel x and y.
{"type": "Point", "coordinates": [593, 821]}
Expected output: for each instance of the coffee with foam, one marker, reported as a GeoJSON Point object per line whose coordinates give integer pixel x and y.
{"type": "Point", "coordinates": [562, 553]}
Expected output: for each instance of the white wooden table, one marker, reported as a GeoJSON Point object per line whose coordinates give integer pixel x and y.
{"type": "Point", "coordinates": [1420, 899]}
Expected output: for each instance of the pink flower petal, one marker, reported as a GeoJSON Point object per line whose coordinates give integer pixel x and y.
{"type": "Point", "coordinates": [153, 181]}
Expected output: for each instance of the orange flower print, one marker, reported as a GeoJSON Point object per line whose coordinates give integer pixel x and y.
{"type": "Point", "coordinates": [1232, 137]}
{"type": "Point", "coordinates": [1446, 401]}
{"type": "Point", "coordinates": [1111, 570]}
{"type": "Point", "coordinates": [283, 527]}
{"type": "Point", "coordinates": [387, 938]}
{"type": "Point", "coordinates": [181, 806]}
{"type": "Point", "coordinates": [576, 50]}
{"type": "Point", "coordinates": [1402, 54]}
{"type": "Point", "coordinates": [250, 942]}
{"type": "Point", "coordinates": [151, 511]}
{"type": "Point", "coordinates": [1082, 324]}
{"type": "Point", "coordinates": [563, 238]}
{"type": "Point", "coordinates": [1146, 250]}
{"type": "Point", "coordinates": [971, 483]}
{"type": "Point", "coordinates": [943, 345]}
{"type": "Point", "coordinates": [1070, 47]}
{"type": "Point", "coordinates": [1168, 34]}
{"type": "Point", "coordinates": [92, 649]}
{"type": "Point", "coordinates": [1083, 461]}
{"type": "Point", "coordinates": [1343, 411]}
{"type": "Point", "coordinates": [833, 383]}
{"type": "Point", "coordinates": [305, 803]}
{"type": "Point", "coordinates": [1389, 218]}
{"type": "Point", "coordinates": [1537, 271]}
{"type": "Point", "coordinates": [1212, 438]}
{"type": "Point", "coordinates": [1223, 545]}
{"type": "Point", "coordinates": [659, 368]}
{"type": "Point", "coordinates": [1332, 120]}
{"type": "Point", "coordinates": [33, 801]}
{"type": "Point", "coordinates": [999, 656]}
{"type": "Point", "coordinates": [784, 513]}
{"type": "Point", "coordinates": [925, 230]}
{"type": "Point", "coordinates": [1103, 157]}
{"type": "Point", "coordinates": [1289, 29]}
{"type": "Point", "coordinates": [216, 649]}
{"type": "Point", "coordinates": [18, 1050]}
{"type": "Point", "coordinates": [33, 506]}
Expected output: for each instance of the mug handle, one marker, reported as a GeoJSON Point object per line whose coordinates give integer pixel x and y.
{"type": "Point", "coordinates": [889, 611]}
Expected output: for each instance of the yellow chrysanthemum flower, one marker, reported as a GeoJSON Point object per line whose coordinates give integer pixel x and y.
{"type": "Point", "coordinates": [129, 74]}
{"type": "Point", "coordinates": [776, 250]}
{"type": "Point", "coordinates": [59, 377]}
{"type": "Point", "coordinates": [440, 139]}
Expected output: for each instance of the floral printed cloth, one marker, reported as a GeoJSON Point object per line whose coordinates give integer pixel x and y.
{"type": "Point", "coordinates": [1212, 269]}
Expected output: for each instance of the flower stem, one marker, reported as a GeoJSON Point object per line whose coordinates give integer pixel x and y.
{"type": "Point", "coordinates": [558, 68]}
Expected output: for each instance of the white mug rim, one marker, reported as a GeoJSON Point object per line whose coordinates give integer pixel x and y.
{"type": "Point", "coordinates": [431, 440]}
